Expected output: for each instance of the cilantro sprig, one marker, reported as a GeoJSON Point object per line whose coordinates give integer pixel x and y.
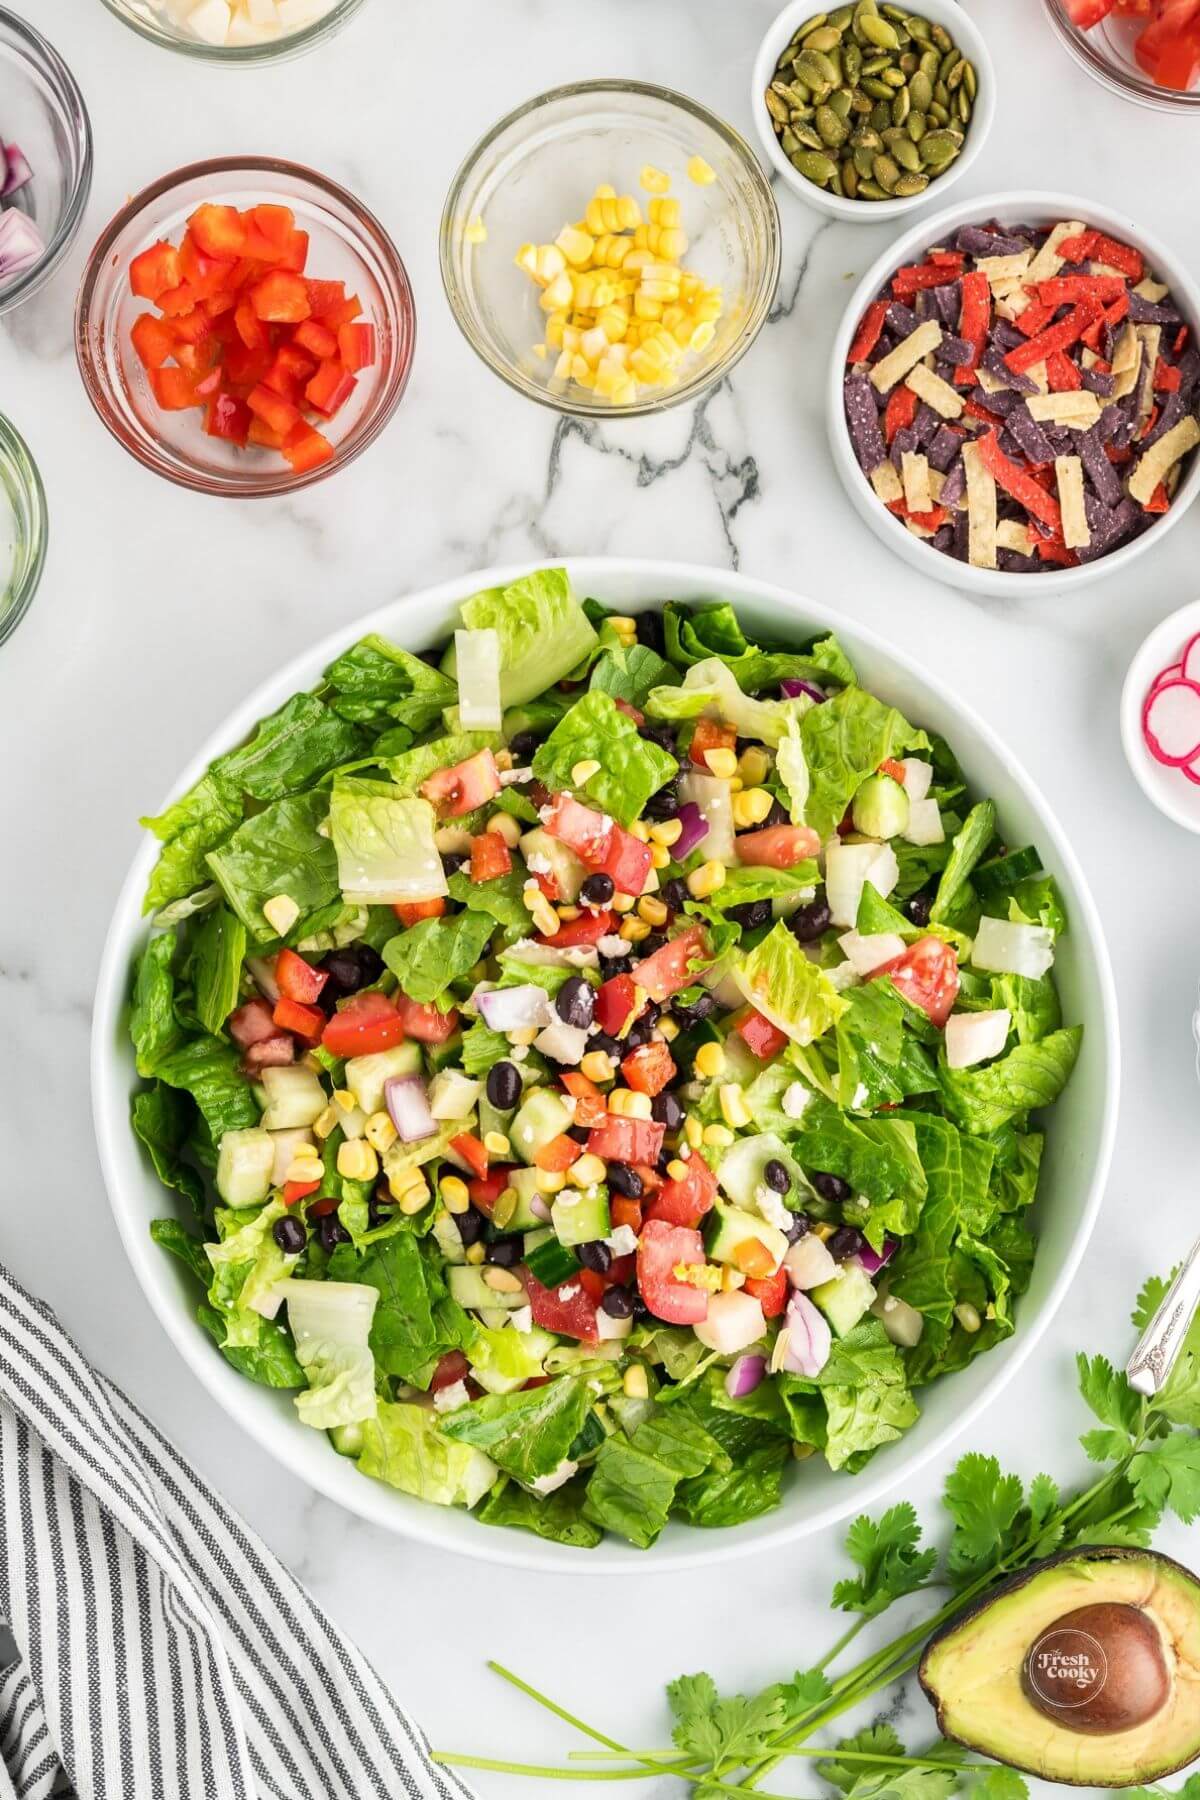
{"type": "Point", "coordinates": [725, 1746]}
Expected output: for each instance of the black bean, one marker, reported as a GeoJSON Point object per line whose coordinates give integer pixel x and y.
{"type": "Point", "coordinates": [503, 1085]}
{"type": "Point", "coordinates": [918, 907]}
{"type": "Point", "coordinates": [575, 1002]}
{"type": "Point", "coordinates": [667, 1108]}
{"type": "Point", "coordinates": [650, 944]}
{"type": "Point", "coordinates": [776, 816]}
{"type": "Point", "coordinates": [614, 965]}
{"type": "Point", "coordinates": [331, 1232]}
{"type": "Point", "coordinates": [776, 1176]}
{"type": "Point", "coordinates": [832, 1187]}
{"type": "Point", "coordinates": [691, 1005]}
{"type": "Point", "coordinates": [844, 1242]}
{"type": "Point", "coordinates": [674, 893]}
{"type": "Point", "coordinates": [597, 890]}
{"type": "Point", "coordinates": [799, 1227]}
{"type": "Point", "coordinates": [522, 745]}
{"type": "Point", "coordinates": [600, 1040]}
{"type": "Point", "coordinates": [665, 803]}
{"type": "Point", "coordinates": [623, 1179]}
{"type": "Point", "coordinates": [580, 1133]}
{"type": "Point", "coordinates": [650, 629]}
{"type": "Point", "coordinates": [289, 1234]}
{"type": "Point", "coordinates": [350, 968]}
{"type": "Point", "coordinates": [750, 915]}
{"type": "Point", "coordinates": [505, 1252]}
{"type": "Point", "coordinates": [639, 1033]}
{"type": "Point", "coordinates": [618, 1303]}
{"type": "Point", "coordinates": [810, 922]}
{"type": "Point", "coordinates": [469, 1225]}
{"type": "Point", "coordinates": [595, 1256]}
{"type": "Point", "coordinates": [452, 861]}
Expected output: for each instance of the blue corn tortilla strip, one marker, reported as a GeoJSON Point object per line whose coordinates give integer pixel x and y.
{"type": "Point", "coordinates": [1097, 468]}
{"type": "Point", "coordinates": [1108, 525]}
{"type": "Point", "coordinates": [942, 448]}
{"type": "Point", "coordinates": [1097, 382]}
{"type": "Point", "coordinates": [1029, 435]}
{"type": "Point", "coordinates": [993, 361]}
{"type": "Point", "coordinates": [862, 419]}
{"type": "Point", "coordinates": [904, 444]}
{"type": "Point", "coordinates": [1173, 409]}
{"type": "Point", "coordinates": [901, 319]}
{"type": "Point", "coordinates": [955, 484]}
{"type": "Point", "coordinates": [956, 351]}
{"type": "Point", "coordinates": [977, 240]}
{"type": "Point", "coordinates": [947, 301]}
{"type": "Point", "coordinates": [1146, 312]}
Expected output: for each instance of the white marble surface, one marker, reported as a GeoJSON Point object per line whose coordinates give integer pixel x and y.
{"type": "Point", "coordinates": [159, 609]}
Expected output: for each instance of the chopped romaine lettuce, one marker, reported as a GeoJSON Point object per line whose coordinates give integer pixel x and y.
{"type": "Point", "coordinates": [383, 842]}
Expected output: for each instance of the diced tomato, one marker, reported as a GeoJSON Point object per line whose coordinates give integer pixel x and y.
{"type": "Point", "coordinates": [627, 862]}
{"type": "Point", "coordinates": [621, 1139]}
{"type": "Point", "coordinates": [155, 271]}
{"type": "Point", "coordinates": [490, 857]}
{"type": "Point", "coordinates": [411, 912]}
{"type": "Point", "coordinates": [425, 1024]}
{"type": "Point", "coordinates": [251, 1024]}
{"type": "Point", "coordinates": [616, 1004]}
{"type": "Point", "coordinates": [710, 734]}
{"type": "Point", "coordinates": [927, 974]}
{"type": "Point", "coordinates": [568, 1308]}
{"type": "Point", "coordinates": [588, 928]}
{"type": "Point", "coordinates": [485, 1190]}
{"type": "Point", "coordinates": [271, 1053]}
{"type": "Point", "coordinates": [330, 388]}
{"type": "Point", "coordinates": [778, 846]}
{"type": "Point", "coordinates": [472, 1151]}
{"type": "Point", "coordinates": [771, 1292]}
{"type": "Point", "coordinates": [174, 389]}
{"type": "Point", "coordinates": [760, 1037]}
{"type": "Point", "coordinates": [296, 979]}
{"type": "Point", "coordinates": [153, 340]}
{"type": "Point", "coordinates": [686, 1202]}
{"type": "Point", "coordinates": [649, 1068]}
{"type": "Point", "coordinates": [630, 711]}
{"type": "Point", "coordinates": [281, 298]}
{"type": "Point", "coordinates": [463, 786]}
{"type": "Point", "coordinates": [547, 886]}
{"type": "Point", "coordinates": [219, 230]}
{"type": "Point", "coordinates": [897, 770]}
{"type": "Point", "coordinates": [272, 408]}
{"type": "Point", "coordinates": [228, 418]}
{"type": "Point", "coordinates": [356, 345]}
{"type": "Point", "coordinates": [590, 1107]}
{"type": "Point", "coordinates": [452, 1368]}
{"type": "Point", "coordinates": [307, 1022]}
{"type": "Point", "coordinates": [306, 448]}
{"type": "Point", "coordinates": [1086, 13]}
{"type": "Point", "coordinates": [625, 1211]}
{"type": "Point", "coordinates": [558, 1154]}
{"type": "Point", "coordinates": [298, 1190]}
{"type": "Point", "coordinates": [367, 1023]}
{"type": "Point", "coordinates": [606, 847]}
{"type": "Point", "coordinates": [661, 1250]}
{"type": "Point", "coordinates": [673, 965]}
{"type": "Point", "coordinates": [593, 1285]}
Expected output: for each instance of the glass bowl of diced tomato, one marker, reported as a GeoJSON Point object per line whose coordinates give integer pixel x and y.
{"type": "Point", "coordinates": [1147, 50]}
{"type": "Point", "coordinates": [245, 327]}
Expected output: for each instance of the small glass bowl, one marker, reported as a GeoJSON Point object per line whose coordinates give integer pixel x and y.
{"type": "Point", "coordinates": [23, 529]}
{"type": "Point", "coordinates": [152, 23]}
{"type": "Point", "coordinates": [347, 243]}
{"type": "Point", "coordinates": [1106, 52]}
{"type": "Point", "coordinates": [42, 110]}
{"type": "Point", "coordinates": [536, 169]}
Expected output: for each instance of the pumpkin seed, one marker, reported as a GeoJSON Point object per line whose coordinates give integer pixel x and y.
{"type": "Point", "coordinates": [875, 65]}
{"type": "Point", "coordinates": [816, 166]}
{"type": "Point", "coordinates": [909, 63]}
{"type": "Point", "coordinates": [777, 106]}
{"type": "Point", "coordinates": [941, 37]}
{"type": "Point", "coordinates": [815, 68]}
{"type": "Point", "coordinates": [878, 90]}
{"type": "Point", "coordinates": [908, 185]}
{"type": "Point", "coordinates": [849, 179]}
{"type": "Point", "coordinates": [879, 32]}
{"type": "Point", "coordinates": [866, 138]}
{"type": "Point", "coordinates": [871, 190]}
{"type": "Point", "coordinates": [825, 37]}
{"type": "Point", "coordinates": [835, 184]}
{"type": "Point", "coordinates": [841, 17]}
{"type": "Point", "coordinates": [970, 81]}
{"type": "Point", "coordinates": [918, 27]}
{"type": "Point", "coordinates": [840, 103]}
{"type": "Point", "coordinates": [907, 155]}
{"type": "Point", "coordinates": [833, 131]}
{"type": "Point", "coordinates": [938, 150]}
{"type": "Point", "coordinates": [881, 114]}
{"type": "Point", "coordinates": [931, 62]}
{"type": "Point", "coordinates": [852, 62]}
{"type": "Point", "coordinates": [949, 63]}
{"type": "Point", "coordinates": [864, 162]}
{"type": "Point", "coordinates": [893, 79]}
{"type": "Point", "coordinates": [964, 105]}
{"type": "Point", "coordinates": [810, 137]}
{"type": "Point", "coordinates": [920, 90]}
{"type": "Point", "coordinates": [916, 126]}
{"type": "Point", "coordinates": [887, 173]}
{"type": "Point", "coordinates": [939, 115]}
{"type": "Point", "coordinates": [896, 14]}
{"type": "Point", "coordinates": [860, 104]}
{"type": "Point", "coordinates": [789, 141]}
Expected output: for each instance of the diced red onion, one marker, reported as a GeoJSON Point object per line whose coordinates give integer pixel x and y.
{"type": "Point", "coordinates": [21, 243]}
{"type": "Point", "coordinates": [540, 1209]}
{"type": "Point", "coordinates": [695, 828]}
{"type": "Point", "coordinates": [792, 688]}
{"type": "Point", "coordinates": [745, 1376]}
{"type": "Point", "coordinates": [408, 1108]}
{"type": "Point", "coordinates": [16, 170]}
{"type": "Point", "coordinates": [874, 1260]}
{"type": "Point", "coordinates": [515, 1008]}
{"type": "Point", "coordinates": [263, 970]}
{"type": "Point", "coordinates": [809, 1338]}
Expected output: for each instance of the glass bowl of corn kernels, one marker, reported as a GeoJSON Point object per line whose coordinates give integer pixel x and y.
{"type": "Point", "coordinates": [610, 248]}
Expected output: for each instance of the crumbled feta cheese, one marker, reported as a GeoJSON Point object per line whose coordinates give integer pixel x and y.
{"type": "Point", "coordinates": [569, 1292]}
{"type": "Point", "coordinates": [521, 1318]}
{"type": "Point", "coordinates": [537, 865]}
{"type": "Point", "coordinates": [795, 1099]}
{"type": "Point", "coordinates": [447, 1398]}
{"type": "Point", "coordinates": [771, 1207]}
{"type": "Point", "coordinates": [623, 1241]}
{"type": "Point", "coordinates": [546, 1484]}
{"type": "Point", "coordinates": [612, 945]}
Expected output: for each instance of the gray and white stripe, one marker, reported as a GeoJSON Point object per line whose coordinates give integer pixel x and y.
{"type": "Point", "coordinates": [162, 1651]}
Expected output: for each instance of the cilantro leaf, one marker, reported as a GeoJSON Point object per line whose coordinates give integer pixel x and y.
{"type": "Point", "coordinates": [1166, 1473]}
{"type": "Point", "coordinates": [1150, 1299]}
{"type": "Point", "coordinates": [1108, 1394]}
{"type": "Point", "coordinates": [878, 1740]}
{"type": "Point", "coordinates": [998, 1784]}
{"type": "Point", "coordinates": [886, 1552]}
{"type": "Point", "coordinates": [984, 1505]}
{"type": "Point", "coordinates": [725, 1733]}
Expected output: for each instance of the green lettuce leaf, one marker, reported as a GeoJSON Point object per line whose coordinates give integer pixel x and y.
{"type": "Point", "coordinates": [270, 1360]}
{"type": "Point", "coordinates": [544, 632]}
{"type": "Point", "coordinates": [861, 1419]}
{"type": "Point", "coordinates": [289, 751]}
{"type": "Point", "coordinates": [879, 1157]}
{"type": "Point", "coordinates": [983, 1099]}
{"type": "Point", "coordinates": [383, 843]}
{"type": "Point", "coordinates": [153, 1026]}
{"type": "Point", "coordinates": [408, 770]}
{"type": "Point", "coordinates": [215, 966]}
{"type": "Point", "coordinates": [528, 1434]}
{"type": "Point", "coordinates": [1034, 1005]}
{"type": "Point", "coordinates": [208, 1070]}
{"type": "Point", "coordinates": [969, 846]}
{"type": "Point", "coordinates": [634, 1480]}
{"type": "Point", "coordinates": [481, 1047]}
{"type": "Point", "coordinates": [845, 740]}
{"type": "Point", "coordinates": [793, 992]}
{"type": "Point", "coordinates": [432, 954]}
{"type": "Point", "coordinates": [629, 673]}
{"type": "Point", "coordinates": [330, 1323]}
{"type": "Point", "coordinates": [375, 681]}
{"type": "Point", "coordinates": [247, 1268]}
{"type": "Point", "coordinates": [596, 730]}
{"type": "Point", "coordinates": [745, 883]}
{"type": "Point", "coordinates": [692, 634]}
{"type": "Point", "coordinates": [415, 1321]}
{"type": "Point", "coordinates": [793, 770]}
{"type": "Point", "coordinates": [403, 1446]}
{"type": "Point", "coordinates": [278, 851]}
{"type": "Point", "coordinates": [711, 687]}
{"type": "Point", "coordinates": [191, 827]}
{"type": "Point", "coordinates": [162, 1119]}
{"type": "Point", "coordinates": [557, 1516]}
{"type": "Point", "coordinates": [179, 1242]}
{"type": "Point", "coordinates": [502, 898]}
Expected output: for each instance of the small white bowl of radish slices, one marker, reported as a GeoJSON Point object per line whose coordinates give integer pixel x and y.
{"type": "Point", "coordinates": [1160, 716]}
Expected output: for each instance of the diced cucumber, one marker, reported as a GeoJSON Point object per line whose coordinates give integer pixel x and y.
{"type": "Point", "coordinates": [540, 1117]}
{"type": "Point", "coordinates": [467, 1286]}
{"type": "Point", "coordinates": [551, 1263]}
{"type": "Point", "coordinates": [846, 1298]}
{"type": "Point", "coordinates": [446, 1236]}
{"type": "Point", "coordinates": [730, 1226]}
{"type": "Point", "coordinates": [294, 1097]}
{"type": "Point", "coordinates": [491, 1118]}
{"type": "Point", "coordinates": [581, 1216]}
{"type": "Point", "coordinates": [590, 1438]}
{"type": "Point", "coordinates": [525, 1183]}
{"type": "Point", "coordinates": [741, 1064]}
{"type": "Point", "coordinates": [442, 1055]}
{"type": "Point", "coordinates": [365, 1075]}
{"type": "Point", "coordinates": [244, 1166]}
{"type": "Point", "coordinates": [742, 1172]}
{"type": "Point", "coordinates": [1004, 872]}
{"type": "Point", "coordinates": [880, 808]}
{"type": "Point", "coordinates": [564, 866]}
{"type": "Point", "coordinates": [452, 1095]}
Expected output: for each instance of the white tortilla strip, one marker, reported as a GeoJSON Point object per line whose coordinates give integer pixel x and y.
{"type": "Point", "coordinates": [937, 482]}
{"type": "Point", "coordinates": [1012, 535]}
{"type": "Point", "coordinates": [1078, 408]}
{"type": "Point", "coordinates": [886, 482]}
{"type": "Point", "coordinates": [914, 471]}
{"type": "Point", "coordinates": [1089, 359]}
{"type": "Point", "coordinates": [1151, 336]}
{"type": "Point", "coordinates": [1151, 290]}
{"type": "Point", "coordinates": [991, 384]}
{"type": "Point", "coordinates": [1162, 456]}
{"type": "Point", "coordinates": [1068, 471]}
{"type": "Point", "coordinates": [1010, 306]}
{"type": "Point", "coordinates": [945, 400]}
{"type": "Point", "coordinates": [918, 530]}
{"type": "Point", "coordinates": [1003, 271]}
{"type": "Point", "coordinates": [981, 510]}
{"type": "Point", "coordinates": [895, 365]}
{"type": "Point", "coordinates": [1037, 374]}
{"type": "Point", "coordinates": [1126, 362]}
{"type": "Point", "coordinates": [1048, 262]}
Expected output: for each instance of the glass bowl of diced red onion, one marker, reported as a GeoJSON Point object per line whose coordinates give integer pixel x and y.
{"type": "Point", "coordinates": [45, 159]}
{"type": "Point", "coordinates": [238, 33]}
{"type": "Point", "coordinates": [1145, 50]}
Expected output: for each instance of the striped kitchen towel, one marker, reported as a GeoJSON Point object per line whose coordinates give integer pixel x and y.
{"type": "Point", "coordinates": [161, 1651]}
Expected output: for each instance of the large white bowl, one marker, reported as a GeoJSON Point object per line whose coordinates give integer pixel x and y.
{"type": "Point", "coordinates": [1079, 1135]}
{"type": "Point", "coordinates": [1019, 206]}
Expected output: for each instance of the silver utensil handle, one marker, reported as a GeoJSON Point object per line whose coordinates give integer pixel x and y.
{"type": "Point", "coordinates": [1154, 1357]}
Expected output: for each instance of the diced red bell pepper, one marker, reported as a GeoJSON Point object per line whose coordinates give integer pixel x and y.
{"type": "Point", "coordinates": [281, 298]}
{"type": "Point", "coordinates": [650, 1068]}
{"type": "Point", "coordinates": [590, 1106]}
{"type": "Point", "coordinates": [298, 1190]}
{"type": "Point", "coordinates": [367, 1023]}
{"type": "Point", "coordinates": [463, 786]}
{"type": "Point", "coordinates": [297, 979]}
{"type": "Point", "coordinates": [1167, 377]}
{"type": "Point", "coordinates": [869, 331]}
{"type": "Point", "coordinates": [307, 1022]}
{"type": "Point", "coordinates": [490, 856]}
{"type": "Point", "coordinates": [1019, 483]}
{"type": "Point", "coordinates": [289, 370]}
{"type": "Point", "coordinates": [685, 1202]}
{"type": "Point", "coordinates": [315, 338]}
{"type": "Point", "coordinates": [471, 1150]}
{"type": "Point", "coordinates": [485, 1190]}
{"type": "Point", "coordinates": [174, 389]}
{"type": "Point", "coordinates": [710, 734]}
{"type": "Point", "coordinates": [155, 271]}
{"type": "Point", "coordinates": [295, 253]}
{"type": "Point", "coordinates": [1086, 13]}
{"type": "Point", "coordinates": [220, 231]}
{"type": "Point", "coordinates": [588, 928]}
{"type": "Point", "coordinates": [625, 1211]}
{"type": "Point", "coordinates": [411, 912]}
{"type": "Point", "coordinates": [616, 1004]}
{"type": "Point", "coordinates": [593, 1285]}
{"type": "Point", "coordinates": [306, 448]}
{"type": "Point", "coordinates": [192, 327]}
{"type": "Point", "coordinates": [622, 1139]}
{"type": "Point", "coordinates": [272, 408]}
{"type": "Point", "coordinates": [153, 340]}
{"type": "Point", "coordinates": [273, 224]}
{"type": "Point", "coordinates": [204, 274]}
{"type": "Point", "coordinates": [325, 297]}
{"type": "Point", "coordinates": [227, 417]}
{"type": "Point", "coordinates": [760, 1037]}
{"type": "Point", "coordinates": [899, 412]}
{"type": "Point", "coordinates": [1062, 374]}
{"type": "Point", "coordinates": [674, 965]}
{"type": "Point", "coordinates": [260, 433]}
{"type": "Point", "coordinates": [255, 335]}
{"type": "Point", "coordinates": [330, 388]}
{"type": "Point", "coordinates": [558, 1155]}
{"type": "Point", "coordinates": [771, 1292]}
{"type": "Point", "coordinates": [356, 345]}
{"type": "Point", "coordinates": [343, 314]}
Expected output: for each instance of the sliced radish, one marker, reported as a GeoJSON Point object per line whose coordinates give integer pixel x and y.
{"type": "Point", "coordinates": [1172, 672]}
{"type": "Point", "coordinates": [1192, 773]}
{"type": "Point", "coordinates": [1171, 723]}
{"type": "Point", "coordinates": [1189, 659]}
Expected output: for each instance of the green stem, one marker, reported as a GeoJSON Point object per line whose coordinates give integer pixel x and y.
{"type": "Point", "coordinates": [560, 1712]}
{"type": "Point", "coordinates": [452, 1760]}
{"type": "Point", "coordinates": [843, 1643]}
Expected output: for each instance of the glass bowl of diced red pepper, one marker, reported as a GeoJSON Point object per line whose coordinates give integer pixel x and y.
{"type": "Point", "coordinates": [245, 327]}
{"type": "Point", "coordinates": [1146, 50]}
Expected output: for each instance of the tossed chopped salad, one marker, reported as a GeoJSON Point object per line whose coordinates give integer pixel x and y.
{"type": "Point", "coordinates": [603, 1058]}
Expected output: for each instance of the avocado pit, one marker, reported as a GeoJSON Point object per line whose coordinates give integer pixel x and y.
{"type": "Point", "coordinates": [1098, 1669]}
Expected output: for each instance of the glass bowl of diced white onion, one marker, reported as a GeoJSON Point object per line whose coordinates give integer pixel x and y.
{"type": "Point", "coordinates": [238, 33]}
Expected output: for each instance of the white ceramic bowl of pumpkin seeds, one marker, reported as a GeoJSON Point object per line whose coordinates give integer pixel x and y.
{"type": "Point", "coordinates": [870, 111]}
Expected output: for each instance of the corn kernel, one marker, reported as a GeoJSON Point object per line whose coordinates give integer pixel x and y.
{"type": "Point", "coordinates": [345, 1099]}
{"type": "Point", "coordinates": [636, 1382]}
{"type": "Point", "coordinates": [706, 880]}
{"type": "Point", "coordinates": [526, 258]}
{"type": "Point", "coordinates": [597, 1065]}
{"type": "Point", "coordinates": [531, 893]}
{"type": "Point", "coordinates": [476, 232]}
{"type": "Point", "coordinates": [633, 929]}
{"type": "Point", "coordinates": [415, 1197]}
{"type": "Point", "coordinates": [678, 1171]}
{"type": "Point", "coordinates": [640, 830]}
{"type": "Point", "coordinates": [968, 1316]}
{"type": "Point", "coordinates": [583, 771]}
{"type": "Point", "coordinates": [454, 1192]}
{"type": "Point", "coordinates": [751, 807]}
{"type": "Point", "coordinates": [702, 337]}
{"type": "Point", "coordinates": [718, 1137]}
{"type": "Point", "coordinates": [668, 1027]}
{"type": "Point", "coordinates": [549, 262]}
{"type": "Point", "coordinates": [557, 294]}
{"type": "Point", "coordinates": [732, 1280]}
{"type": "Point", "coordinates": [496, 1144]}
{"type": "Point", "coordinates": [693, 1131]}
{"type": "Point", "coordinates": [326, 1122]}
{"type": "Point", "coordinates": [655, 912]}
{"type": "Point", "coordinates": [502, 1280]}
{"type": "Point", "coordinates": [654, 181]}
{"type": "Point", "coordinates": [567, 913]}
{"type": "Point", "coordinates": [722, 761]}
{"type": "Point", "coordinates": [357, 1161]}
{"type": "Point", "coordinates": [381, 1133]}
{"type": "Point", "coordinates": [305, 1168]}
{"type": "Point", "coordinates": [667, 831]}
{"type": "Point", "coordinates": [627, 1103]}
{"type": "Point", "coordinates": [707, 1276]}
{"type": "Point", "coordinates": [702, 173]}
{"type": "Point", "coordinates": [551, 1181]}
{"type": "Point", "coordinates": [754, 765]}
{"type": "Point", "coordinates": [506, 827]}
{"type": "Point", "coordinates": [623, 903]}
{"type": "Point", "coordinates": [576, 245]}
{"type": "Point", "coordinates": [734, 1110]}
{"type": "Point", "coordinates": [476, 1254]}
{"type": "Point", "coordinates": [665, 212]}
{"type": "Point", "coordinates": [660, 856]}
{"type": "Point", "coordinates": [281, 913]}
{"type": "Point", "coordinates": [545, 917]}
{"type": "Point", "coordinates": [522, 1036]}
{"type": "Point", "coordinates": [710, 1061]}
{"type": "Point", "coordinates": [587, 1170]}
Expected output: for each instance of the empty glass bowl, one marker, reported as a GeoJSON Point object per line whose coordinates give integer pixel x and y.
{"type": "Point", "coordinates": [22, 529]}
{"type": "Point", "coordinates": [42, 110]}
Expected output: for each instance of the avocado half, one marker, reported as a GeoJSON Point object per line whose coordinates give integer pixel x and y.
{"type": "Point", "coordinates": [1084, 1669]}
